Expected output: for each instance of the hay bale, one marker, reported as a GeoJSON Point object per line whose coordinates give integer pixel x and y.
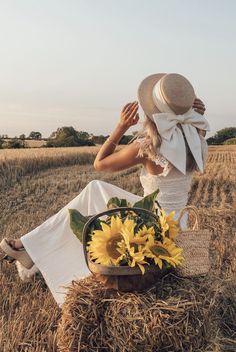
{"type": "Point", "coordinates": [227, 316]}
{"type": "Point", "coordinates": [178, 315]}
{"type": "Point", "coordinates": [189, 315]}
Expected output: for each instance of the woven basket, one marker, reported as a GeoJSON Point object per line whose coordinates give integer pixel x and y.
{"type": "Point", "coordinates": [195, 243]}
{"type": "Point", "coordinates": [123, 278]}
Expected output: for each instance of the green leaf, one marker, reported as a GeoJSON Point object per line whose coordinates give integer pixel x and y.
{"type": "Point", "coordinates": [77, 222]}
{"type": "Point", "coordinates": [95, 225]}
{"type": "Point", "coordinates": [116, 202]}
{"type": "Point", "coordinates": [147, 202]}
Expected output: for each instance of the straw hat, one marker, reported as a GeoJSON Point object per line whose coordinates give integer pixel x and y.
{"type": "Point", "coordinates": [176, 90]}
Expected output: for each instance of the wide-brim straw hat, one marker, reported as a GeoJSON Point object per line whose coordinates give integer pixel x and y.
{"type": "Point", "coordinates": [176, 90]}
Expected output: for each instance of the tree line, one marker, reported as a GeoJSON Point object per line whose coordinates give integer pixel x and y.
{"type": "Point", "coordinates": [69, 137]}
{"type": "Point", "coordinates": [63, 137]}
{"type": "Point", "coordinates": [225, 136]}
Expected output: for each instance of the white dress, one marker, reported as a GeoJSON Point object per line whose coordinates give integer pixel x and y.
{"type": "Point", "coordinates": [56, 251]}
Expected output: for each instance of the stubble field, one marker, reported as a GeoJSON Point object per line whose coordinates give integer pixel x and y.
{"type": "Point", "coordinates": [36, 183]}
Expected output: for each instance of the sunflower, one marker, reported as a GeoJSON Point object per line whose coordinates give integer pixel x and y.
{"type": "Point", "coordinates": [133, 246]}
{"type": "Point", "coordinates": [129, 224]}
{"type": "Point", "coordinates": [163, 251]}
{"type": "Point", "coordinates": [136, 257]}
{"type": "Point", "coordinates": [103, 247]}
{"type": "Point", "coordinates": [130, 239]}
{"type": "Point", "coordinates": [170, 227]}
{"type": "Point", "coordinates": [144, 232]}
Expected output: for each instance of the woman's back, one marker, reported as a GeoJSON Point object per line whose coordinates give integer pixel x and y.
{"type": "Point", "coordinates": [174, 188]}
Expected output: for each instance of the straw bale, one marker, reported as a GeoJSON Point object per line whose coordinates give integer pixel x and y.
{"type": "Point", "coordinates": [177, 315]}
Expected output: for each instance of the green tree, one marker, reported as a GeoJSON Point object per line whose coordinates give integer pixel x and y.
{"type": "Point", "coordinates": [69, 137]}
{"type": "Point", "coordinates": [22, 137]}
{"type": "Point", "coordinates": [83, 135]}
{"type": "Point", "coordinates": [1, 143]}
{"type": "Point", "coordinates": [35, 135]}
{"type": "Point", "coordinates": [222, 135]}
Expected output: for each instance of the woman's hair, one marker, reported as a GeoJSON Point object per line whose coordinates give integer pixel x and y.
{"type": "Point", "coordinates": [150, 141]}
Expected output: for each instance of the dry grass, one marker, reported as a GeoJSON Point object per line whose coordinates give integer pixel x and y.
{"type": "Point", "coordinates": [29, 143]}
{"type": "Point", "coordinates": [45, 180]}
{"type": "Point", "coordinates": [9, 155]}
{"type": "Point", "coordinates": [16, 163]}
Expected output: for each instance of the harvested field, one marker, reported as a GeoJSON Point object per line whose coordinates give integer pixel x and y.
{"type": "Point", "coordinates": [37, 183]}
{"type": "Point", "coordinates": [31, 143]}
{"type": "Point", "coordinates": [16, 163]}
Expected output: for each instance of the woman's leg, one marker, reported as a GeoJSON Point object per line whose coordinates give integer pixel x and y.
{"type": "Point", "coordinates": [55, 249]}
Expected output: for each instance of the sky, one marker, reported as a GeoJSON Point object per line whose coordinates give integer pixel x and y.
{"type": "Point", "coordinates": [78, 62]}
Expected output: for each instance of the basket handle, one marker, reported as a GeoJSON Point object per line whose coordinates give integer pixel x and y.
{"type": "Point", "coordinates": [108, 212]}
{"type": "Point", "coordinates": [195, 211]}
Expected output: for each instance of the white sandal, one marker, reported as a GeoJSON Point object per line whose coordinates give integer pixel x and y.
{"type": "Point", "coordinates": [16, 254]}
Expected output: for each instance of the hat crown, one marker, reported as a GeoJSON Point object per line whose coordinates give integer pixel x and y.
{"type": "Point", "coordinates": [177, 92]}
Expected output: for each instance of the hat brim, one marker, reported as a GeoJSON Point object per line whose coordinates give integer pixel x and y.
{"type": "Point", "coordinates": [145, 90]}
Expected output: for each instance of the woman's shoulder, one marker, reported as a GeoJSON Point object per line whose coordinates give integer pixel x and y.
{"type": "Point", "coordinates": [158, 160]}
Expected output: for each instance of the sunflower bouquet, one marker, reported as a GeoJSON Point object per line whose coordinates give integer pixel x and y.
{"type": "Point", "coordinates": [136, 236]}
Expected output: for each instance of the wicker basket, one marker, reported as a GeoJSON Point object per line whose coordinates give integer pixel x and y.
{"type": "Point", "coordinates": [123, 278]}
{"type": "Point", "coordinates": [195, 243]}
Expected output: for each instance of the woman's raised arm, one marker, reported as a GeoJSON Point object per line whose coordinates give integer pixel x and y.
{"type": "Point", "coordinates": [106, 159]}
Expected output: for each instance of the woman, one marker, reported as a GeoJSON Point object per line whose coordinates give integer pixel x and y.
{"type": "Point", "coordinates": [170, 148]}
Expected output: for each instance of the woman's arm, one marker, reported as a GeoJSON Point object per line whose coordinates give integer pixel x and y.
{"type": "Point", "coordinates": [199, 107]}
{"type": "Point", "coordinates": [106, 159]}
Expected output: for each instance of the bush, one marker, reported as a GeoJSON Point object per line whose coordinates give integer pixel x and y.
{"type": "Point", "coordinates": [126, 139]}
{"type": "Point", "coordinates": [15, 144]}
{"type": "Point", "coordinates": [99, 139]}
{"type": "Point", "coordinates": [230, 141]}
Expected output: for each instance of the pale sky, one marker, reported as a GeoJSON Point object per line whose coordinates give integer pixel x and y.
{"type": "Point", "coordinates": [77, 62]}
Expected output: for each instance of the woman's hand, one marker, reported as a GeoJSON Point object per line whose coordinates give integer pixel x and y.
{"type": "Point", "coordinates": [129, 115]}
{"type": "Point", "coordinates": [199, 106]}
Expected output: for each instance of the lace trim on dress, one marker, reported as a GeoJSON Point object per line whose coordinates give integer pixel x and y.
{"type": "Point", "coordinates": [164, 163]}
{"type": "Point", "coordinates": [159, 160]}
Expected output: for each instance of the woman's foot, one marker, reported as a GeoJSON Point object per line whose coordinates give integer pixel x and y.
{"type": "Point", "coordinates": [26, 275]}
{"type": "Point", "coordinates": [15, 251]}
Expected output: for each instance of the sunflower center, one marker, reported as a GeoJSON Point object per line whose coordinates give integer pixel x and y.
{"type": "Point", "coordinates": [158, 250]}
{"type": "Point", "coordinates": [112, 245]}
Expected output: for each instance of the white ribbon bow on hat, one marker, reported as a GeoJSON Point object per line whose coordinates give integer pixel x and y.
{"type": "Point", "coordinates": [173, 146]}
